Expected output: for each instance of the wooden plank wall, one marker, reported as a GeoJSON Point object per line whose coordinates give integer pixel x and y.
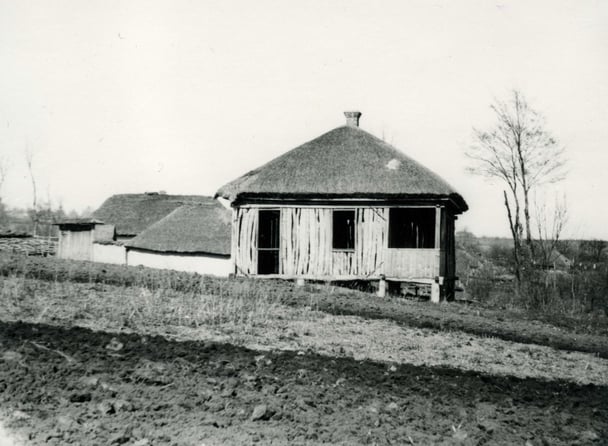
{"type": "Point", "coordinates": [245, 240]}
{"type": "Point", "coordinates": [306, 241]}
{"type": "Point", "coordinates": [76, 245]}
{"type": "Point", "coordinates": [306, 246]}
{"type": "Point", "coordinates": [412, 263]}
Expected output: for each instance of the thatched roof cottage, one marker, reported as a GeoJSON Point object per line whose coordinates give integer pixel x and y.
{"type": "Point", "coordinates": [194, 237]}
{"type": "Point", "coordinates": [182, 232]}
{"type": "Point", "coordinates": [130, 214]}
{"type": "Point", "coordinates": [345, 206]}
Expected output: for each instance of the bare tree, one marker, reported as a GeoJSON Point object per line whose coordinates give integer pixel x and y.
{"type": "Point", "coordinates": [519, 152]}
{"type": "Point", "coordinates": [29, 160]}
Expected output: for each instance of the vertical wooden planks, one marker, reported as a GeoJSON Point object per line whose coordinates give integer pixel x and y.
{"type": "Point", "coordinates": [245, 235]}
{"type": "Point", "coordinates": [306, 245]}
{"type": "Point", "coordinates": [371, 247]}
{"type": "Point", "coordinates": [443, 243]}
{"type": "Point", "coordinates": [285, 240]}
{"type": "Point", "coordinates": [438, 228]}
{"type": "Point", "coordinates": [76, 244]}
{"type": "Point", "coordinates": [412, 263]}
{"type": "Point", "coordinates": [234, 237]}
{"type": "Point", "coordinates": [305, 250]}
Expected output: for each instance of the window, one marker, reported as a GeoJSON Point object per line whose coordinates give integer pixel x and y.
{"type": "Point", "coordinates": [268, 241]}
{"type": "Point", "coordinates": [344, 230]}
{"type": "Point", "coordinates": [411, 228]}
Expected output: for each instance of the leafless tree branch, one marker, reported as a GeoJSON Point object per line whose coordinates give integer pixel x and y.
{"type": "Point", "coordinates": [519, 151]}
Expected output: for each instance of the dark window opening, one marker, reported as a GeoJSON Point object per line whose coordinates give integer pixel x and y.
{"type": "Point", "coordinates": [268, 241]}
{"type": "Point", "coordinates": [344, 230]}
{"type": "Point", "coordinates": [411, 228]}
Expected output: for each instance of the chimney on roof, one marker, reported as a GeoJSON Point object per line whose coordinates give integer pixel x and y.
{"type": "Point", "coordinates": [352, 118]}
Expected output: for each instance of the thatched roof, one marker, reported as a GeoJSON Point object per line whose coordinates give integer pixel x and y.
{"type": "Point", "coordinates": [346, 162]}
{"type": "Point", "coordinates": [132, 213]}
{"type": "Point", "coordinates": [195, 228]}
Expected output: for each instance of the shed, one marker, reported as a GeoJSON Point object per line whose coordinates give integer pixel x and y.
{"type": "Point", "coordinates": [345, 206]}
{"type": "Point", "coordinates": [193, 238]}
{"type": "Point", "coordinates": [76, 237]}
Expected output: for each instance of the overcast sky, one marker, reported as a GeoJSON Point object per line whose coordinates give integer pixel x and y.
{"type": "Point", "coordinates": [184, 96]}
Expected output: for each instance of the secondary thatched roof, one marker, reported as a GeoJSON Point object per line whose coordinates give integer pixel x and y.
{"type": "Point", "coordinates": [132, 213]}
{"type": "Point", "coordinates": [196, 228]}
{"type": "Point", "coordinates": [345, 162]}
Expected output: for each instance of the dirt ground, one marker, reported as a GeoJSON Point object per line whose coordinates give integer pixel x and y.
{"type": "Point", "coordinates": [507, 325]}
{"type": "Point", "coordinates": [75, 386]}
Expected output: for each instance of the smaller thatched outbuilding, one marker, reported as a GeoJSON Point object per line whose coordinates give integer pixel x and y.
{"type": "Point", "coordinates": [194, 237]}
{"type": "Point", "coordinates": [181, 232]}
{"type": "Point", "coordinates": [130, 214]}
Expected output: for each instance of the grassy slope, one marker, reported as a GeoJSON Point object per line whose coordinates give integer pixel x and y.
{"type": "Point", "coordinates": [261, 323]}
{"type": "Point", "coordinates": [470, 319]}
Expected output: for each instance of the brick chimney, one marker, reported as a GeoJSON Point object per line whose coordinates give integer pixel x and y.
{"type": "Point", "coordinates": [352, 118]}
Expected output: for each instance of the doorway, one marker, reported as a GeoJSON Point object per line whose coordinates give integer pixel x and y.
{"type": "Point", "coordinates": [268, 241]}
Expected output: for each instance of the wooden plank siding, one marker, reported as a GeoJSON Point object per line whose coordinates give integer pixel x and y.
{"type": "Point", "coordinates": [76, 244]}
{"type": "Point", "coordinates": [245, 241]}
{"type": "Point", "coordinates": [306, 246]}
{"type": "Point", "coordinates": [312, 243]}
{"type": "Point", "coordinates": [412, 263]}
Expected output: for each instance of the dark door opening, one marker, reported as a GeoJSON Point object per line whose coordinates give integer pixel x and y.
{"type": "Point", "coordinates": [343, 230]}
{"type": "Point", "coordinates": [268, 241]}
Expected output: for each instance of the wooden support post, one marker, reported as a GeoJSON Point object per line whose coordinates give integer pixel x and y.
{"type": "Point", "coordinates": [381, 287]}
{"type": "Point", "coordinates": [438, 228]}
{"type": "Point", "coordinates": [300, 282]}
{"type": "Point", "coordinates": [435, 291]}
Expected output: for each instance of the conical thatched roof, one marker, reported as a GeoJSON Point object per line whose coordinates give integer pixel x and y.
{"type": "Point", "coordinates": [343, 163]}
{"type": "Point", "coordinates": [195, 228]}
{"type": "Point", "coordinates": [132, 213]}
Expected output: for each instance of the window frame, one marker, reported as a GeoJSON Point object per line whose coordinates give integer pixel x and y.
{"type": "Point", "coordinates": [431, 228]}
{"type": "Point", "coordinates": [277, 249]}
{"type": "Point", "coordinates": [354, 234]}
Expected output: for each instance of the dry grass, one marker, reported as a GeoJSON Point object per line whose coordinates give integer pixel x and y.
{"type": "Point", "coordinates": [119, 307]}
{"type": "Point", "coordinates": [245, 315]}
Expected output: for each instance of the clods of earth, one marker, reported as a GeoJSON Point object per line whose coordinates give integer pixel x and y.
{"type": "Point", "coordinates": [76, 386]}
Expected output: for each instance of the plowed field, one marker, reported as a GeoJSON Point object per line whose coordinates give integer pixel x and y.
{"type": "Point", "coordinates": [77, 386]}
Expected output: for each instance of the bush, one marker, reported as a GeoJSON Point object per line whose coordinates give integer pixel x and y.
{"type": "Point", "coordinates": [573, 292]}
{"type": "Point", "coordinates": [479, 286]}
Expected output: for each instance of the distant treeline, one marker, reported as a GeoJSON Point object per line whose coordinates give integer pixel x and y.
{"type": "Point", "coordinates": [39, 222]}
{"type": "Point", "coordinates": [572, 279]}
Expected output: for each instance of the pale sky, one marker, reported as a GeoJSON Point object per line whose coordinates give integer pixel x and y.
{"type": "Point", "coordinates": [184, 96]}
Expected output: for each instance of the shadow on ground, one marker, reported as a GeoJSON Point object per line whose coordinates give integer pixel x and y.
{"type": "Point", "coordinates": [60, 385]}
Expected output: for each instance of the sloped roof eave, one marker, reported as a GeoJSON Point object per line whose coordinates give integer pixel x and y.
{"type": "Point", "coordinates": [179, 251]}
{"type": "Point", "coordinates": [188, 229]}
{"type": "Point", "coordinates": [247, 197]}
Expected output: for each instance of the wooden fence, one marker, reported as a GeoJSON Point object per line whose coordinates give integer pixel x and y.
{"type": "Point", "coordinates": [31, 246]}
